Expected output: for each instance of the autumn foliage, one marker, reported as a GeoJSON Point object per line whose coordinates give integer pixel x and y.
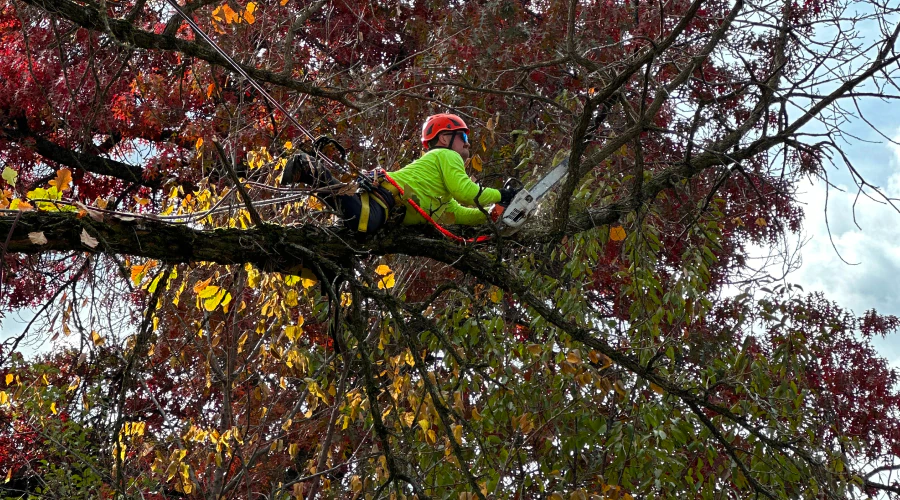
{"type": "Point", "coordinates": [197, 330]}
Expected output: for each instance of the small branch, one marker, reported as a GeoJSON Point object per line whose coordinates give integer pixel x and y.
{"type": "Point", "coordinates": [248, 203]}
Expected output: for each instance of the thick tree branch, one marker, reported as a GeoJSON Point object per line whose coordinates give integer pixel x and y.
{"type": "Point", "coordinates": [74, 159]}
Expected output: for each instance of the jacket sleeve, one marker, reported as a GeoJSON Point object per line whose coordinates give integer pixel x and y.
{"type": "Point", "coordinates": [464, 216]}
{"type": "Point", "coordinates": [460, 187]}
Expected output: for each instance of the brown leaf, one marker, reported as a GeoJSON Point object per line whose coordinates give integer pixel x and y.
{"type": "Point", "coordinates": [88, 239]}
{"type": "Point", "coordinates": [38, 238]}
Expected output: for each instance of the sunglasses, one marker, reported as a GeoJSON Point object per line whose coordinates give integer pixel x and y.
{"type": "Point", "coordinates": [465, 136]}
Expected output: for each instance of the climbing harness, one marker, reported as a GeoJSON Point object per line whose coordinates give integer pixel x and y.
{"type": "Point", "coordinates": [399, 195]}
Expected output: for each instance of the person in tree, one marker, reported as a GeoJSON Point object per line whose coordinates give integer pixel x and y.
{"type": "Point", "coordinates": [437, 182]}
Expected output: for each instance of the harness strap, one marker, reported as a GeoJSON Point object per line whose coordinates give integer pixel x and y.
{"type": "Point", "coordinates": [427, 217]}
{"type": "Point", "coordinates": [364, 212]}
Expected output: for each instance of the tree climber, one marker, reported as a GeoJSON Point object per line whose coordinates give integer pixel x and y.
{"type": "Point", "coordinates": [437, 182]}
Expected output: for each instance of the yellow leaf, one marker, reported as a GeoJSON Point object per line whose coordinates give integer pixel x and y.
{"type": "Point", "coordinates": [308, 278]}
{"type": "Point", "coordinates": [476, 163]}
{"type": "Point", "coordinates": [430, 436]}
{"type": "Point", "coordinates": [200, 139]}
{"type": "Point", "coordinates": [617, 233]}
{"type": "Point", "coordinates": [4, 398]}
{"type": "Point", "coordinates": [600, 359]}
{"type": "Point", "coordinates": [761, 222]}
{"type": "Point", "coordinates": [53, 407]}
{"type": "Point", "coordinates": [458, 432]}
{"type": "Point", "coordinates": [19, 204]}
{"type": "Point", "coordinates": [574, 357]}
{"type": "Point", "coordinates": [356, 484]}
{"type": "Point", "coordinates": [62, 180]}
{"type": "Point", "coordinates": [525, 424]}
{"type": "Point", "coordinates": [496, 295]}
{"type": "Point", "coordinates": [253, 276]}
{"type": "Point", "coordinates": [208, 291]}
{"type": "Point", "coordinates": [97, 339]}
{"type": "Point", "coordinates": [346, 299]}
{"type": "Point", "coordinates": [314, 204]}
{"type": "Point", "coordinates": [291, 298]}
{"type": "Point", "coordinates": [8, 475]}
{"type": "Point", "coordinates": [10, 176]}
{"type": "Point", "coordinates": [288, 145]}
{"type": "Point", "coordinates": [221, 297]}
{"type": "Point", "coordinates": [387, 280]}
{"type": "Point", "coordinates": [9, 379]}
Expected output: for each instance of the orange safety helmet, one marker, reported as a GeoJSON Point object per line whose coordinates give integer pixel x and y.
{"type": "Point", "coordinates": [443, 122]}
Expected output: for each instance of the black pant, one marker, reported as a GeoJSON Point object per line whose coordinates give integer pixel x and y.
{"type": "Point", "coordinates": [366, 211]}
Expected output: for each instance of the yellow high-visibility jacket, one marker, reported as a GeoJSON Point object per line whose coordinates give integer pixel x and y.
{"type": "Point", "coordinates": [439, 184]}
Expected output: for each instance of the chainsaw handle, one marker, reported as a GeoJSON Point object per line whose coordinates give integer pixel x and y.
{"type": "Point", "coordinates": [513, 183]}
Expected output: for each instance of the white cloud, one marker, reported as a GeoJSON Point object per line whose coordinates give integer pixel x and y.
{"type": "Point", "coordinates": [867, 235]}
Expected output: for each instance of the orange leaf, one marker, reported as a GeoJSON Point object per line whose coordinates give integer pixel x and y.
{"type": "Point", "coordinates": [617, 233]}
{"type": "Point", "coordinates": [210, 89]}
{"type": "Point", "coordinates": [62, 180]}
{"type": "Point", "coordinates": [201, 285]}
{"type": "Point", "coordinates": [248, 14]}
{"type": "Point", "coordinates": [230, 15]}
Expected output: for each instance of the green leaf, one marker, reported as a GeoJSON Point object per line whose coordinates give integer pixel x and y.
{"type": "Point", "coordinates": [10, 176]}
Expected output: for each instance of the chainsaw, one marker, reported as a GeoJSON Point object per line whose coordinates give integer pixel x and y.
{"type": "Point", "coordinates": [525, 203]}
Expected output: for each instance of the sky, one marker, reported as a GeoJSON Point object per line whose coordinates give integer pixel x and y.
{"type": "Point", "coordinates": [851, 243]}
{"type": "Point", "coordinates": [858, 266]}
